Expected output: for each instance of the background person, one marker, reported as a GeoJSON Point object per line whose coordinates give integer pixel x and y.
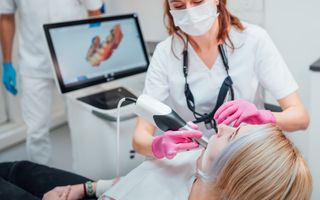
{"type": "Point", "coordinates": [33, 62]}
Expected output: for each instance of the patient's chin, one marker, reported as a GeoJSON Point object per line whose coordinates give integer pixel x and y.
{"type": "Point", "coordinates": [199, 160]}
{"type": "Point", "coordinates": [207, 160]}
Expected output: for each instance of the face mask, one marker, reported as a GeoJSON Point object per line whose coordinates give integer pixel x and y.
{"type": "Point", "coordinates": [197, 20]}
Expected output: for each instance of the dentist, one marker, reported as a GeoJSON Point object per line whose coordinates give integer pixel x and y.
{"type": "Point", "coordinates": [211, 57]}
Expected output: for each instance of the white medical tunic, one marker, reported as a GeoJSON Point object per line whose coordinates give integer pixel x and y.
{"type": "Point", "coordinates": [33, 54]}
{"type": "Point", "coordinates": [158, 179]}
{"type": "Point", "coordinates": [255, 65]}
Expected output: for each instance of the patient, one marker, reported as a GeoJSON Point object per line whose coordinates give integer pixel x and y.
{"type": "Point", "coordinates": [260, 163]}
{"type": "Point", "coordinates": [251, 162]}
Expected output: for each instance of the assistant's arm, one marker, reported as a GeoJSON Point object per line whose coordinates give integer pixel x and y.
{"type": "Point", "coordinates": [276, 77]}
{"type": "Point", "coordinates": [7, 27]}
{"type": "Point", "coordinates": [94, 13]}
{"type": "Point", "coordinates": [294, 115]}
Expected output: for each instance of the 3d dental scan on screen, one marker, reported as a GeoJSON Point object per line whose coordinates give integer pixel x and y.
{"type": "Point", "coordinates": [92, 51]}
{"type": "Point", "coordinates": [99, 52]}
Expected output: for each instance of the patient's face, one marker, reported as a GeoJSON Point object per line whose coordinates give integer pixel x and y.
{"type": "Point", "coordinates": [218, 142]}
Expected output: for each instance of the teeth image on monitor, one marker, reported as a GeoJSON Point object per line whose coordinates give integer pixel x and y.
{"type": "Point", "coordinates": [97, 57]}
{"type": "Point", "coordinates": [95, 60]}
{"type": "Point", "coordinates": [100, 51]}
{"type": "Point", "coordinates": [95, 43]}
{"type": "Point", "coordinates": [109, 39]}
{"type": "Point", "coordinates": [117, 33]}
{"type": "Point", "coordinates": [92, 60]}
{"type": "Point", "coordinates": [107, 51]}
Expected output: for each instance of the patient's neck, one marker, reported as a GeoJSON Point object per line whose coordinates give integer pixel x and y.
{"type": "Point", "coordinates": [199, 191]}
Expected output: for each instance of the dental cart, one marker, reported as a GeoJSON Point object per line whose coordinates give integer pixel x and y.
{"type": "Point", "coordinates": [96, 62]}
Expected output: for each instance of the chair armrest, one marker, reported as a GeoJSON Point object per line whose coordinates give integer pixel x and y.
{"type": "Point", "coordinates": [272, 107]}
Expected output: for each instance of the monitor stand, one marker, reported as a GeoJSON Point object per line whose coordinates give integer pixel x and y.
{"type": "Point", "coordinates": [109, 99]}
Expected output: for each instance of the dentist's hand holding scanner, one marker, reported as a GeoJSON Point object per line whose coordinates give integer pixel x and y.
{"type": "Point", "coordinates": [168, 144]}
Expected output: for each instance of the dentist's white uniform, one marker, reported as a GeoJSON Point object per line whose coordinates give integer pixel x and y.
{"type": "Point", "coordinates": [34, 63]}
{"type": "Point", "coordinates": [256, 66]}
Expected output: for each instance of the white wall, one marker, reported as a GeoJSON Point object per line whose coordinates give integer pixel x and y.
{"type": "Point", "coordinates": [149, 12]}
{"type": "Point", "coordinates": [294, 26]}
{"type": "Point", "coordinates": [3, 114]}
{"type": "Point", "coordinates": [248, 10]}
{"type": "Point", "coordinates": [314, 134]}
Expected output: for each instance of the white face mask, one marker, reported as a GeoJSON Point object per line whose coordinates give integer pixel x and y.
{"type": "Point", "coordinates": [197, 20]}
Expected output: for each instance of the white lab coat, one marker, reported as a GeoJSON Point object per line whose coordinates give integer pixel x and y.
{"type": "Point", "coordinates": [255, 65]}
{"type": "Point", "coordinates": [34, 63]}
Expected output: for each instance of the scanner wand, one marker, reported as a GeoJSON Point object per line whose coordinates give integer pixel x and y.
{"type": "Point", "coordinates": [163, 117]}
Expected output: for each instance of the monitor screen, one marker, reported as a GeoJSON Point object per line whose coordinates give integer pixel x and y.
{"type": "Point", "coordinates": [93, 51]}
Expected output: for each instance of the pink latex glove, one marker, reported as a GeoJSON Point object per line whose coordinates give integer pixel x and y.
{"type": "Point", "coordinates": [168, 144]}
{"type": "Point", "coordinates": [239, 111]}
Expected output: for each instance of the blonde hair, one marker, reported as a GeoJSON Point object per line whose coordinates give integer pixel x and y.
{"type": "Point", "coordinates": [262, 165]}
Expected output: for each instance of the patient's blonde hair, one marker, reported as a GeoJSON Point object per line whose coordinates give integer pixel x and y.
{"type": "Point", "coordinates": [261, 165]}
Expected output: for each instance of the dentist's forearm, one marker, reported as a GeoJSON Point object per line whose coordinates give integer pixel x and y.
{"type": "Point", "coordinates": [294, 115]}
{"type": "Point", "coordinates": [142, 144]}
{"type": "Point", "coordinates": [143, 137]}
{"type": "Point", "coordinates": [7, 27]}
{"type": "Point", "coordinates": [292, 119]}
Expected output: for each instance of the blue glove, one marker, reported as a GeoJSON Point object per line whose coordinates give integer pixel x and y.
{"type": "Point", "coordinates": [103, 8]}
{"type": "Point", "coordinates": [9, 78]}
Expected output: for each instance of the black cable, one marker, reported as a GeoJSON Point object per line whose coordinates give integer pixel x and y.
{"type": "Point", "coordinates": [130, 99]}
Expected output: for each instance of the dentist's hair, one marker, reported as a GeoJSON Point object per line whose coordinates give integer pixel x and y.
{"type": "Point", "coordinates": [262, 165]}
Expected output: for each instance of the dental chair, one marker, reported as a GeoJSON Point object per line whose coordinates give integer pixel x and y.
{"type": "Point", "coordinates": [272, 107]}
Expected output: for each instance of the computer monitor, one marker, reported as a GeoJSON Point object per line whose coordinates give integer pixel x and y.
{"type": "Point", "coordinates": [93, 51]}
